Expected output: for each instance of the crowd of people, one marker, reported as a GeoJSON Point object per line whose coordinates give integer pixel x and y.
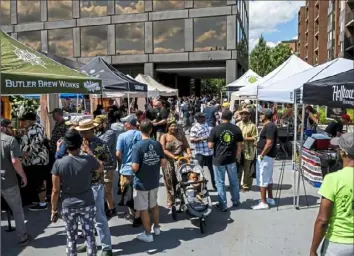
{"type": "Point", "coordinates": [87, 163]}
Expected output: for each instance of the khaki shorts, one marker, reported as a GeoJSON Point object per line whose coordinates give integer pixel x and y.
{"type": "Point", "coordinates": [144, 200]}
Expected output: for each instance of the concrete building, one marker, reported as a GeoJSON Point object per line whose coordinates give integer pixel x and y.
{"type": "Point", "coordinates": [340, 29]}
{"type": "Point", "coordinates": [313, 44]}
{"type": "Point", "coordinates": [172, 41]}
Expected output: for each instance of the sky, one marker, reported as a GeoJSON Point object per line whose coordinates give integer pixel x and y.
{"type": "Point", "coordinates": [276, 20]}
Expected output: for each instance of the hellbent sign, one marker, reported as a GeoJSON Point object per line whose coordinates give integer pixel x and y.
{"type": "Point", "coordinates": [343, 95]}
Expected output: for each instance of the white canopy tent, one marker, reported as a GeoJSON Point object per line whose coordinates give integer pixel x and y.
{"type": "Point", "coordinates": [291, 66]}
{"type": "Point", "coordinates": [283, 91]}
{"type": "Point", "coordinates": [248, 78]}
{"type": "Point", "coordinates": [155, 88]}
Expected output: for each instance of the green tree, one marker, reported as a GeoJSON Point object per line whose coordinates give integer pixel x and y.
{"type": "Point", "coordinates": [264, 59]}
{"type": "Point", "coordinates": [260, 58]}
{"type": "Point", "coordinates": [279, 54]}
{"type": "Point", "coordinates": [212, 86]}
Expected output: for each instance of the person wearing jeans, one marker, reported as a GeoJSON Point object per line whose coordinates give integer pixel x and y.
{"type": "Point", "coordinates": [10, 191]}
{"type": "Point", "coordinates": [96, 147]}
{"type": "Point", "coordinates": [226, 140]}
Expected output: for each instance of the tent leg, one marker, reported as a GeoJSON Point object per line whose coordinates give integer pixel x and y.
{"type": "Point", "coordinates": [128, 103]}
{"type": "Point", "coordinates": [300, 155]}
{"type": "Point", "coordinates": [294, 153]}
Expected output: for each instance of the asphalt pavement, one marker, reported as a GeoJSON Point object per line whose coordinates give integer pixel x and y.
{"type": "Point", "coordinates": [240, 231]}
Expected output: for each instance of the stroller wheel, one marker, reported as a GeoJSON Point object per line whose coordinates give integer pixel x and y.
{"type": "Point", "coordinates": [174, 213]}
{"type": "Point", "coordinates": [202, 225]}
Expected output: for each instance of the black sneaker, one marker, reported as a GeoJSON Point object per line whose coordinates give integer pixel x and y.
{"type": "Point", "coordinates": [236, 204]}
{"type": "Point", "coordinates": [38, 207]}
{"type": "Point", "coordinates": [107, 253]}
{"type": "Point", "coordinates": [137, 222]}
{"type": "Point", "coordinates": [217, 206]}
{"type": "Point", "coordinates": [110, 213]}
{"type": "Point", "coordinates": [25, 241]}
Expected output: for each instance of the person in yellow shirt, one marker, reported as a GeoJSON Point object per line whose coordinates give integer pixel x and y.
{"type": "Point", "coordinates": [249, 133]}
{"type": "Point", "coordinates": [335, 220]}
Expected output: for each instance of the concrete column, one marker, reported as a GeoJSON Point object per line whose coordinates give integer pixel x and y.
{"type": "Point", "coordinates": [149, 69]}
{"type": "Point", "coordinates": [76, 9]}
{"type": "Point", "coordinates": [231, 71]}
{"type": "Point", "coordinates": [14, 35]}
{"type": "Point", "coordinates": [197, 87]}
{"type": "Point", "coordinates": [148, 5]}
{"type": "Point", "coordinates": [44, 41]}
{"type": "Point", "coordinates": [111, 40]}
{"type": "Point", "coordinates": [44, 10]}
{"type": "Point", "coordinates": [148, 37]}
{"type": "Point", "coordinates": [188, 35]}
{"type": "Point", "coordinates": [111, 8]}
{"type": "Point", "coordinates": [231, 32]}
{"type": "Point", "coordinates": [77, 45]}
{"type": "Point", "coordinates": [13, 11]}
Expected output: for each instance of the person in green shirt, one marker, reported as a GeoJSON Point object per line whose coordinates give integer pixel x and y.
{"type": "Point", "coordinates": [335, 220]}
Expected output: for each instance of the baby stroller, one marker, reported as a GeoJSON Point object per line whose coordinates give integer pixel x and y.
{"type": "Point", "coordinates": [190, 195]}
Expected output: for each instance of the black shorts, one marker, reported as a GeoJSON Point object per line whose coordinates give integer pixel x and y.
{"type": "Point", "coordinates": [36, 174]}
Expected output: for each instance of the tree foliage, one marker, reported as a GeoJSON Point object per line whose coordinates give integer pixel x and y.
{"type": "Point", "coordinates": [20, 106]}
{"type": "Point", "coordinates": [212, 86]}
{"type": "Point", "coordinates": [264, 59]}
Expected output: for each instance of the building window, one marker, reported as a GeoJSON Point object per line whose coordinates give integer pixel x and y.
{"type": "Point", "coordinates": [163, 5]}
{"type": "Point", "coordinates": [210, 34]}
{"type": "Point", "coordinates": [132, 6]}
{"type": "Point", "coordinates": [168, 36]}
{"type": "Point", "coordinates": [31, 39]}
{"type": "Point", "coordinates": [28, 11]}
{"type": "Point", "coordinates": [60, 42]}
{"type": "Point", "coordinates": [210, 3]}
{"type": "Point", "coordinates": [130, 38]}
{"type": "Point", "coordinates": [5, 17]}
{"type": "Point", "coordinates": [93, 41]}
{"type": "Point", "coordinates": [89, 8]}
{"type": "Point", "coordinates": [60, 10]}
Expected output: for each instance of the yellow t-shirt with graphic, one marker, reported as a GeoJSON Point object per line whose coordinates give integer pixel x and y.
{"type": "Point", "coordinates": [338, 187]}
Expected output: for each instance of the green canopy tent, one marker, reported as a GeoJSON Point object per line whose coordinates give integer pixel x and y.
{"type": "Point", "coordinates": [25, 71]}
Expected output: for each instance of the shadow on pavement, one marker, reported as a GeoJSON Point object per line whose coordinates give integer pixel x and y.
{"type": "Point", "coordinates": [36, 224]}
{"type": "Point", "coordinates": [170, 239]}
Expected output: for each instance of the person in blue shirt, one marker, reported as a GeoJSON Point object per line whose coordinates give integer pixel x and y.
{"type": "Point", "coordinates": [125, 144]}
{"type": "Point", "coordinates": [147, 158]}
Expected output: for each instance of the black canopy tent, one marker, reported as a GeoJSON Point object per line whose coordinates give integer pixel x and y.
{"type": "Point", "coordinates": [112, 79]}
{"type": "Point", "coordinates": [334, 91]}
{"type": "Point", "coordinates": [64, 61]}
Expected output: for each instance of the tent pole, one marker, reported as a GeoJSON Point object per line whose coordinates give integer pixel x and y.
{"type": "Point", "coordinates": [257, 121]}
{"type": "Point", "coordinates": [300, 155]}
{"type": "Point", "coordinates": [77, 103]}
{"type": "Point", "coordinates": [294, 150]}
{"type": "Point", "coordinates": [128, 103]}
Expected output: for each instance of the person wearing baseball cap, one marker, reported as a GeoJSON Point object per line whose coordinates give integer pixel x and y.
{"type": "Point", "coordinates": [266, 152]}
{"type": "Point", "coordinates": [226, 141]}
{"type": "Point", "coordinates": [124, 148]}
{"type": "Point", "coordinates": [335, 128]}
{"type": "Point", "coordinates": [335, 221]}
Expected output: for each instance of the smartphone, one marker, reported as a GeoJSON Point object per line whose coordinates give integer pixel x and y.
{"type": "Point", "coordinates": [55, 217]}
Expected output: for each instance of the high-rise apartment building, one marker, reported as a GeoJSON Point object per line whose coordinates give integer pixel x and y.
{"type": "Point", "coordinates": [171, 40]}
{"type": "Point", "coordinates": [340, 29]}
{"type": "Point", "coordinates": [312, 32]}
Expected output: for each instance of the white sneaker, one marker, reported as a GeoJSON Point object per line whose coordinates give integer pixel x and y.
{"type": "Point", "coordinates": [271, 201]}
{"type": "Point", "coordinates": [145, 238]}
{"type": "Point", "coordinates": [261, 206]}
{"type": "Point", "coordinates": [157, 231]}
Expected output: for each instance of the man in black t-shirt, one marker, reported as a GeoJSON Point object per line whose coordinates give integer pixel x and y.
{"type": "Point", "coordinates": [226, 141]}
{"type": "Point", "coordinates": [160, 123]}
{"type": "Point", "coordinates": [266, 151]}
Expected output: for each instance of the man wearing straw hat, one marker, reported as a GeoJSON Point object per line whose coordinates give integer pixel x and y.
{"type": "Point", "coordinates": [94, 146]}
{"type": "Point", "coordinates": [249, 133]}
